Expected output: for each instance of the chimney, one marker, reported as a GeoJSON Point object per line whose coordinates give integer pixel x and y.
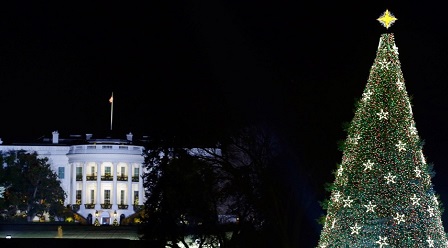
{"type": "Point", "coordinates": [1, 141]}
{"type": "Point", "coordinates": [88, 136]}
{"type": "Point", "coordinates": [55, 137]}
{"type": "Point", "coordinates": [129, 136]}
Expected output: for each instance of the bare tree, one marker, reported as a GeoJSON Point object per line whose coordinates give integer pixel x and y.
{"type": "Point", "coordinates": [242, 185]}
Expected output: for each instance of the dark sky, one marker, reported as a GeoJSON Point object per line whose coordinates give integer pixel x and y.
{"type": "Point", "coordinates": [194, 68]}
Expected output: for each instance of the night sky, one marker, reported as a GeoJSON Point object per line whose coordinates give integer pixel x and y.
{"type": "Point", "coordinates": [195, 68]}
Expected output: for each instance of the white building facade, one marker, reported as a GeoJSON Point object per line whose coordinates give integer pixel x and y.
{"type": "Point", "coordinates": [101, 177]}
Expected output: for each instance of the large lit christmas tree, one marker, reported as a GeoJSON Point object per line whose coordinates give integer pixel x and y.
{"type": "Point", "coordinates": [382, 195]}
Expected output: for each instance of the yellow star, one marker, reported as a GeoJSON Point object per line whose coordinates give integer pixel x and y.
{"type": "Point", "coordinates": [387, 19]}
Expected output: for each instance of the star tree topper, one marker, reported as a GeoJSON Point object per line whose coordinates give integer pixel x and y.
{"type": "Point", "coordinates": [387, 19]}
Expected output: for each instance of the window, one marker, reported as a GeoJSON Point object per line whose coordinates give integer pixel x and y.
{"type": "Point", "coordinates": [92, 196]}
{"type": "Point", "coordinates": [78, 173]}
{"type": "Point", "coordinates": [136, 197]}
{"type": "Point", "coordinates": [106, 196]}
{"type": "Point", "coordinates": [122, 197]}
{"type": "Point", "coordinates": [92, 171]}
{"type": "Point", "coordinates": [123, 169]}
{"type": "Point", "coordinates": [107, 171]}
{"type": "Point", "coordinates": [78, 197]}
{"type": "Point", "coordinates": [61, 172]}
{"type": "Point", "coordinates": [135, 175]}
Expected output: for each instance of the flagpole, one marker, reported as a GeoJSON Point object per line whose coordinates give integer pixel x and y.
{"type": "Point", "coordinates": [111, 100]}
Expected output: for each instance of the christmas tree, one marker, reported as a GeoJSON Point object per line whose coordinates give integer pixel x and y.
{"type": "Point", "coordinates": [382, 195]}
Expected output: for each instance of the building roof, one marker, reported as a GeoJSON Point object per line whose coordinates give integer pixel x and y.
{"type": "Point", "coordinates": [75, 139]}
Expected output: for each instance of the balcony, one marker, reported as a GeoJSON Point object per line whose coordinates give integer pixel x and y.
{"type": "Point", "coordinates": [135, 178]}
{"type": "Point", "coordinates": [107, 177]}
{"type": "Point", "coordinates": [122, 178]}
{"type": "Point", "coordinates": [75, 207]}
{"type": "Point", "coordinates": [78, 177]}
{"type": "Point", "coordinates": [89, 206]}
{"type": "Point", "coordinates": [106, 149]}
{"type": "Point", "coordinates": [137, 208]}
{"type": "Point", "coordinates": [123, 206]}
{"type": "Point", "coordinates": [106, 206]}
{"type": "Point", "coordinates": [91, 178]}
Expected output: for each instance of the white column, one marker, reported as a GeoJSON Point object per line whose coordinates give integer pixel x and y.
{"type": "Point", "coordinates": [83, 189]}
{"type": "Point", "coordinates": [98, 184]}
{"type": "Point", "coordinates": [130, 193]}
{"type": "Point", "coordinates": [140, 185]}
{"type": "Point", "coordinates": [114, 188]}
{"type": "Point", "coordinates": [73, 185]}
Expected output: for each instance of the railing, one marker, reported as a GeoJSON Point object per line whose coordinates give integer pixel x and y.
{"type": "Point", "coordinates": [137, 208]}
{"type": "Point", "coordinates": [123, 206]}
{"type": "Point", "coordinates": [91, 178]}
{"type": "Point", "coordinates": [107, 178]}
{"type": "Point", "coordinates": [110, 149]}
{"type": "Point", "coordinates": [89, 206]}
{"type": "Point", "coordinates": [122, 178]}
{"type": "Point", "coordinates": [106, 206]}
{"type": "Point", "coordinates": [75, 207]}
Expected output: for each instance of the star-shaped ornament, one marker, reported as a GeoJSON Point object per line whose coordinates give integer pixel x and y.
{"type": "Point", "coordinates": [389, 178]}
{"type": "Point", "coordinates": [366, 95]}
{"type": "Point", "coordinates": [384, 64]}
{"type": "Point", "coordinates": [422, 157]}
{"type": "Point", "coordinates": [401, 146]}
{"type": "Point", "coordinates": [336, 196]}
{"type": "Point", "coordinates": [380, 43]}
{"type": "Point", "coordinates": [340, 171]}
{"type": "Point", "coordinates": [430, 242]}
{"type": "Point", "coordinates": [382, 241]}
{"type": "Point", "coordinates": [413, 130]}
{"type": "Point", "coordinates": [382, 114]}
{"type": "Point", "coordinates": [400, 84]}
{"type": "Point", "coordinates": [355, 229]}
{"type": "Point", "coordinates": [355, 139]}
{"type": "Point", "coordinates": [387, 19]}
{"type": "Point", "coordinates": [399, 218]}
{"type": "Point", "coordinates": [348, 202]}
{"type": "Point", "coordinates": [430, 211]}
{"type": "Point", "coordinates": [410, 108]}
{"type": "Point", "coordinates": [370, 207]}
{"type": "Point", "coordinates": [368, 165]}
{"type": "Point", "coordinates": [395, 49]}
{"type": "Point", "coordinates": [417, 172]}
{"type": "Point", "coordinates": [415, 200]}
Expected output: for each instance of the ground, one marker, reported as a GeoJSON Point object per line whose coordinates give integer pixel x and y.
{"type": "Point", "coordinates": [68, 236]}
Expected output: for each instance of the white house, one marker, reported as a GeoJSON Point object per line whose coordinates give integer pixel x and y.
{"type": "Point", "coordinates": [102, 177]}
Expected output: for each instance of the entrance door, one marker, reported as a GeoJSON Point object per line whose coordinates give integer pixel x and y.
{"type": "Point", "coordinates": [105, 221]}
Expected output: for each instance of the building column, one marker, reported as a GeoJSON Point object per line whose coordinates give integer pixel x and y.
{"type": "Point", "coordinates": [140, 185]}
{"type": "Point", "coordinates": [84, 181]}
{"type": "Point", "coordinates": [130, 193]}
{"type": "Point", "coordinates": [98, 185]}
{"type": "Point", "coordinates": [73, 186]}
{"type": "Point", "coordinates": [114, 186]}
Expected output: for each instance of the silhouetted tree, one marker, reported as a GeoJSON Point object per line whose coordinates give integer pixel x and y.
{"type": "Point", "coordinates": [238, 178]}
{"type": "Point", "coordinates": [250, 187]}
{"type": "Point", "coordinates": [181, 199]}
